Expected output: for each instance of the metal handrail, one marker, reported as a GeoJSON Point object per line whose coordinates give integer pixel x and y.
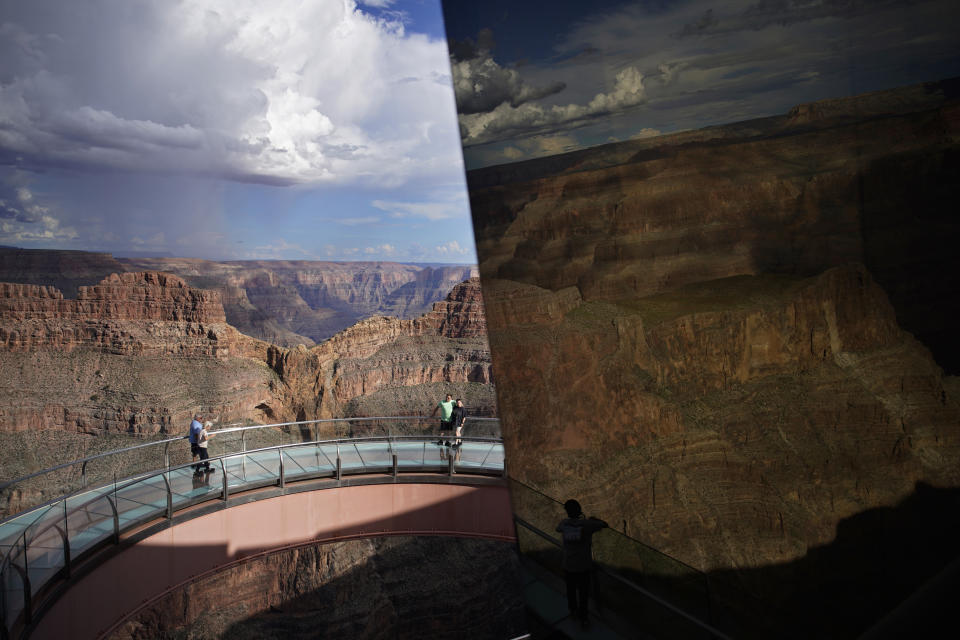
{"type": "Point", "coordinates": [7, 561]}
{"type": "Point", "coordinates": [630, 584]}
{"type": "Point", "coordinates": [230, 429]}
{"type": "Point", "coordinates": [39, 508]}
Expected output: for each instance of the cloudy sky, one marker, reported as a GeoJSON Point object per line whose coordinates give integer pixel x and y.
{"type": "Point", "coordinates": [231, 129]}
{"type": "Point", "coordinates": [538, 78]}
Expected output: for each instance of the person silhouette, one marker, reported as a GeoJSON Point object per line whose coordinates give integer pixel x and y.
{"type": "Point", "coordinates": [577, 534]}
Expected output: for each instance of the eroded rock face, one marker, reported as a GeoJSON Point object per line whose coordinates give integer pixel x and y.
{"type": "Point", "coordinates": [131, 312]}
{"type": "Point", "coordinates": [304, 302]}
{"type": "Point", "coordinates": [402, 587]}
{"type": "Point", "coordinates": [445, 350]}
{"type": "Point", "coordinates": [139, 354]}
{"type": "Point", "coordinates": [701, 336]}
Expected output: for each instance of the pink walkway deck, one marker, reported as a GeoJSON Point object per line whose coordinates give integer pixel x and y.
{"type": "Point", "coordinates": [146, 570]}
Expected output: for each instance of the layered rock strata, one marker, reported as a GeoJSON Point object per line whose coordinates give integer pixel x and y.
{"type": "Point", "coordinates": [701, 336]}
{"type": "Point", "coordinates": [306, 302]}
{"type": "Point", "coordinates": [140, 353]}
{"type": "Point", "coordinates": [442, 351]}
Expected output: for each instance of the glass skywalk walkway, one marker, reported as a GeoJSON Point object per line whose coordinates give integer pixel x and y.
{"type": "Point", "coordinates": [41, 545]}
{"type": "Point", "coordinates": [100, 499]}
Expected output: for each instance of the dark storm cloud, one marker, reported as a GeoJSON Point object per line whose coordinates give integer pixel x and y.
{"type": "Point", "coordinates": [784, 13]}
{"type": "Point", "coordinates": [480, 84]}
{"type": "Point", "coordinates": [704, 63]}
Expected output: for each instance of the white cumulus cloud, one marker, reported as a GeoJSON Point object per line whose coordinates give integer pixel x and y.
{"type": "Point", "coordinates": [506, 121]}
{"type": "Point", "coordinates": [276, 92]}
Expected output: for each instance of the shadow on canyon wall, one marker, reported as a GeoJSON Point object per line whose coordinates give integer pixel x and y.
{"type": "Point", "coordinates": [379, 588]}
{"type": "Point", "coordinates": [879, 558]}
{"type": "Point", "coordinates": [911, 250]}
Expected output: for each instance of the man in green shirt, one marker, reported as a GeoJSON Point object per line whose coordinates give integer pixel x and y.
{"type": "Point", "coordinates": [446, 417]}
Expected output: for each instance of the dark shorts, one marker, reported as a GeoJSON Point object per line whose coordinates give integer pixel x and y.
{"type": "Point", "coordinates": [446, 425]}
{"type": "Point", "coordinates": [194, 449]}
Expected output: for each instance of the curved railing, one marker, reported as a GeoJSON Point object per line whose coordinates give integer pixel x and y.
{"type": "Point", "coordinates": [41, 546]}
{"type": "Point", "coordinates": [61, 478]}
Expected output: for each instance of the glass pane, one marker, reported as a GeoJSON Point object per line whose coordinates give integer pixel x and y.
{"type": "Point", "coordinates": [306, 461]}
{"type": "Point", "coordinates": [253, 469]}
{"type": "Point", "coordinates": [141, 500]}
{"type": "Point", "coordinates": [635, 585]}
{"type": "Point", "coordinates": [89, 523]}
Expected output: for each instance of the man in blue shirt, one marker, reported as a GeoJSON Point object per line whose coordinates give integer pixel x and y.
{"type": "Point", "coordinates": [195, 428]}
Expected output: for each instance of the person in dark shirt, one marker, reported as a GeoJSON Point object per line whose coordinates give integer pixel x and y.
{"type": "Point", "coordinates": [459, 418]}
{"type": "Point", "coordinates": [577, 533]}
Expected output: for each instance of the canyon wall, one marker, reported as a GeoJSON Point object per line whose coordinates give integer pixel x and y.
{"type": "Point", "coordinates": [279, 301]}
{"type": "Point", "coordinates": [306, 302]}
{"type": "Point", "coordinates": [377, 588]}
{"type": "Point", "coordinates": [360, 370]}
{"type": "Point", "coordinates": [727, 342]}
{"type": "Point", "coordinates": [138, 354]}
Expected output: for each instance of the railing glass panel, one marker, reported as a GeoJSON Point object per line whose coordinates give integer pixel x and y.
{"type": "Point", "coordinates": [635, 586]}
{"type": "Point", "coordinates": [106, 466]}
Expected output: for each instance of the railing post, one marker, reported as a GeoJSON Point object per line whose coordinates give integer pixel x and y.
{"type": "Point", "coordinates": [166, 455]}
{"type": "Point", "coordinates": [223, 473]}
{"type": "Point", "coordinates": [166, 481]}
{"type": "Point", "coordinates": [116, 512]}
{"type": "Point", "coordinates": [83, 475]}
{"type": "Point", "coordinates": [66, 542]}
{"type": "Point", "coordinates": [27, 595]}
{"type": "Point", "coordinates": [282, 479]}
{"type": "Point", "coordinates": [339, 469]}
{"type": "Point", "coordinates": [394, 467]}
{"type": "Point", "coordinates": [450, 465]}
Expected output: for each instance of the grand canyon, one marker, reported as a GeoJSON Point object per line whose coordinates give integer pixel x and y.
{"type": "Point", "coordinates": [735, 345]}
{"type": "Point", "coordinates": [732, 344]}
{"type": "Point", "coordinates": [137, 354]}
